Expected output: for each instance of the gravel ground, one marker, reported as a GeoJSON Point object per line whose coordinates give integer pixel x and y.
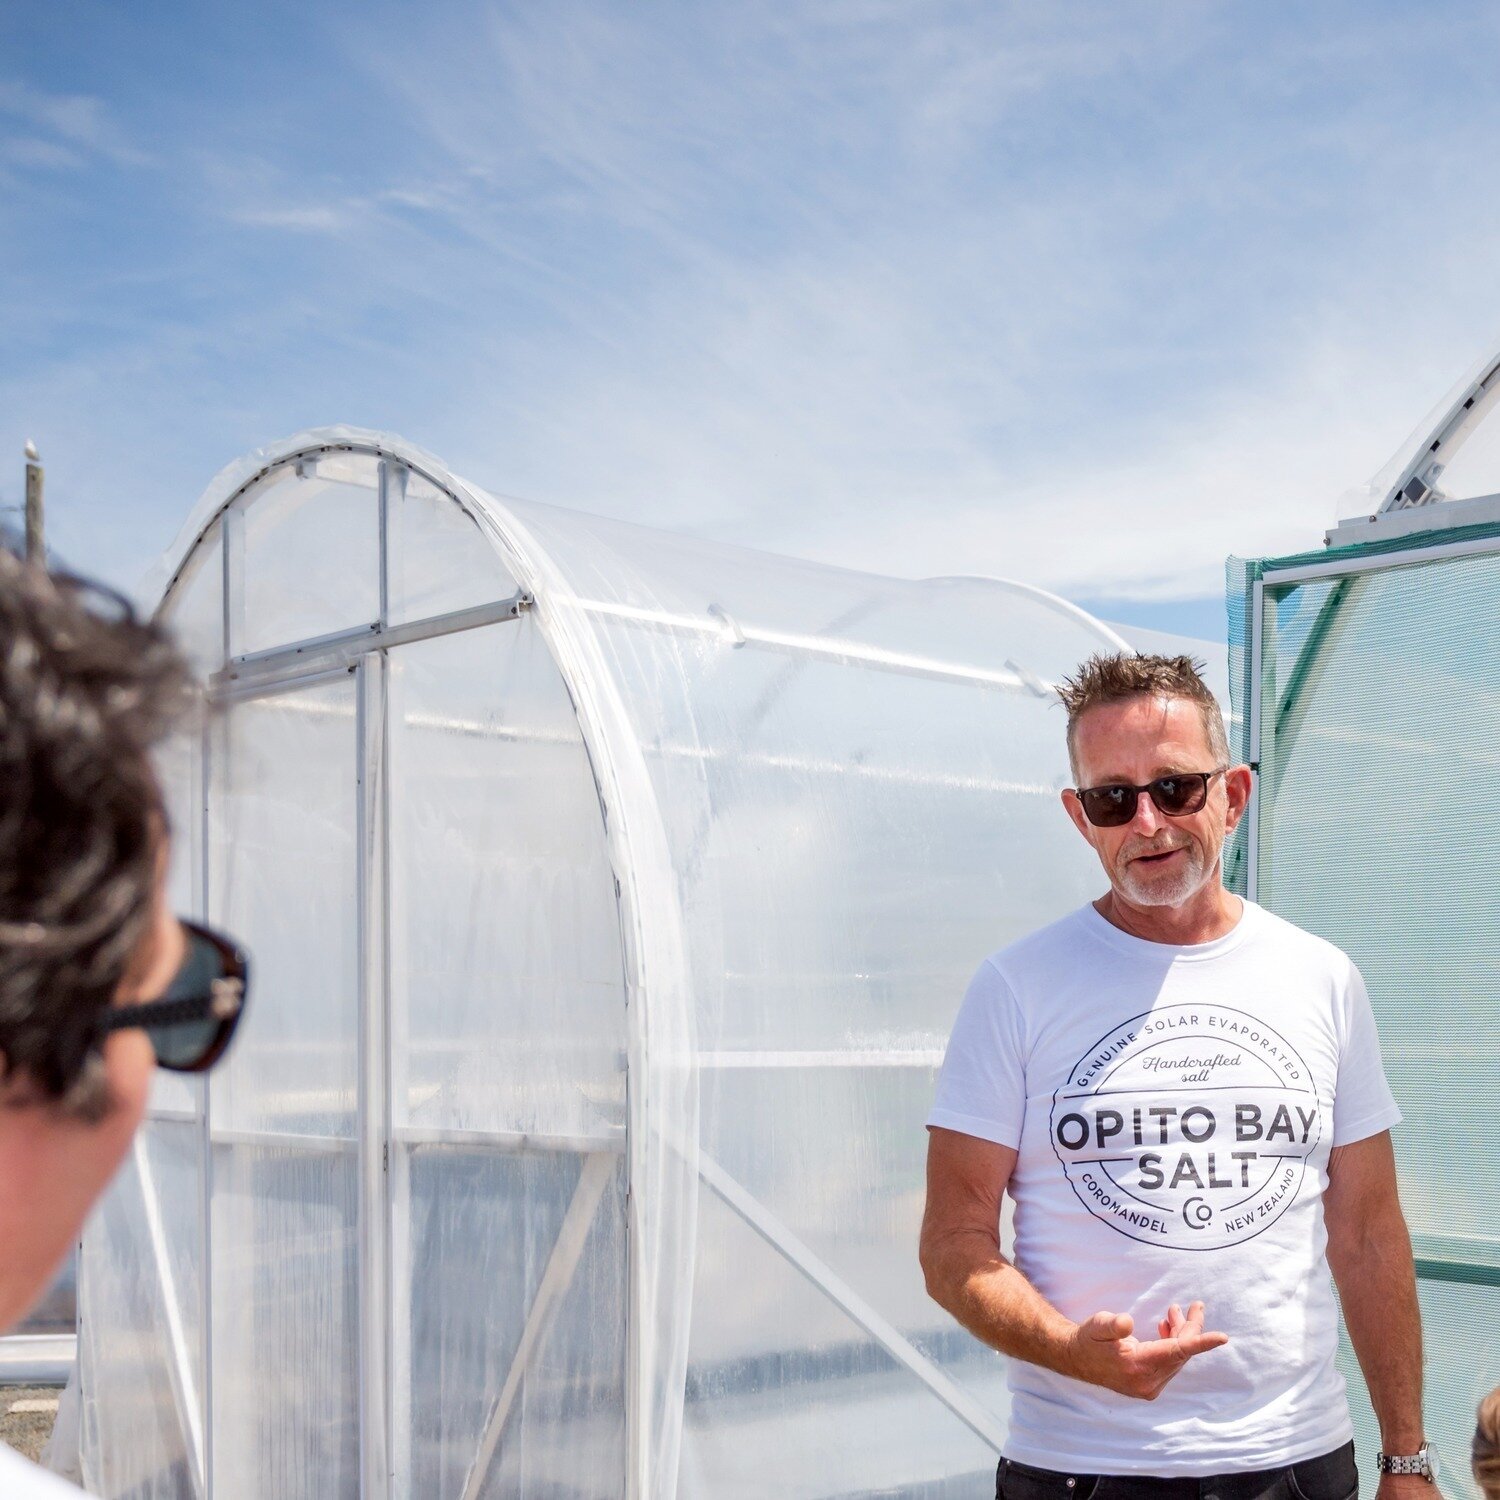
{"type": "Point", "coordinates": [28, 1427]}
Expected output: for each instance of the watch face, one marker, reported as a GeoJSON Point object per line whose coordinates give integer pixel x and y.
{"type": "Point", "coordinates": [1430, 1454]}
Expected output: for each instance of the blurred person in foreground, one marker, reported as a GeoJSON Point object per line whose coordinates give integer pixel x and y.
{"type": "Point", "coordinates": [1184, 1096]}
{"type": "Point", "coordinates": [99, 982]}
{"type": "Point", "coordinates": [1486, 1453]}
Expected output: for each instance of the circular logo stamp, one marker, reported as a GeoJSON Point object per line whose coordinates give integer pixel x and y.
{"type": "Point", "coordinates": [1189, 1126]}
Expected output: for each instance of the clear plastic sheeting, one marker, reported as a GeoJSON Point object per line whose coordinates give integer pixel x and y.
{"type": "Point", "coordinates": [773, 1355]}
{"type": "Point", "coordinates": [438, 559]}
{"type": "Point", "coordinates": [490, 1407]}
{"type": "Point", "coordinates": [285, 1323]}
{"type": "Point", "coordinates": [610, 896]}
{"type": "Point", "coordinates": [196, 608]}
{"type": "Point", "coordinates": [285, 879]}
{"type": "Point", "coordinates": [141, 1341]}
{"type": "Point", "coordinates": [281, 536]}
{"type": "Point", "coordinates": [513, 1022]}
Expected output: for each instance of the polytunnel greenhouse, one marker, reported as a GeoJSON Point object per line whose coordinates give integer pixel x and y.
{"type": "Point", "coordinates": [611, 896]}
{"type": "Point", "coordinates": [1367, 675]}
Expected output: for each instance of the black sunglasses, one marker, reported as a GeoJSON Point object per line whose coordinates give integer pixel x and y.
{"type": "Point", "coordinates": [190, 1026]}
{"type": "Point", "coordinates": [1178, 796]}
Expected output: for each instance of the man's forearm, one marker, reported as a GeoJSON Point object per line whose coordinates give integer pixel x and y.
{"type": "Point", "coordinates": [1378, 1289]}
{"type": "Point", "coordinates": [992, 1299]}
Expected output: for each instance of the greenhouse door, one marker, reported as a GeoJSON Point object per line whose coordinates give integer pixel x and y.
{"type": "Point", "coordinates": [507, 1082]}
{"type": "Point", "coordinates": [285, 818]}
{"type": "Point", "coordinates": [417, 1223]}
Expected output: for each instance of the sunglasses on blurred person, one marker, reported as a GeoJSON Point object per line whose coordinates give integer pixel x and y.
{"type": "Point", "coordinates": [191, 1025]}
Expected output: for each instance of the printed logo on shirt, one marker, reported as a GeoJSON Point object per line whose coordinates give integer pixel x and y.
{"type": "Point", "coordinates": [1189, 1126]}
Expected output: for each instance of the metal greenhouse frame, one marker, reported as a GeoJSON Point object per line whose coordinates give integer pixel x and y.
{"type": "Point", "coordinates": [751, 740]}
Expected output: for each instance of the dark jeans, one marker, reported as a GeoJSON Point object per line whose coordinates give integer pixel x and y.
{"type": "Point", "coordinates": [1332, 1477]}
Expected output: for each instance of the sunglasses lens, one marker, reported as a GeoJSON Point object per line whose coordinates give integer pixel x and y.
{"type": "Point", "coordinates": [1179, 795]}
{"type": "Point", "coordinates": [1108, 806]}
{"type": "Point", "coordinates": [183, 1045]}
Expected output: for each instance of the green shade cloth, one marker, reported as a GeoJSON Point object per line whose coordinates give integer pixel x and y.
{"type": "Point", "coordinates": [1378, 827]}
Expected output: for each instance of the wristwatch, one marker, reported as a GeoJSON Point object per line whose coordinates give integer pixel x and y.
{"type": "Point", "coordinates": [1424, 1462]}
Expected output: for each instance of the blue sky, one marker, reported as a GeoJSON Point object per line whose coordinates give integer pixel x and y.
{"type": "Point", "coordinates": [1087, 295]}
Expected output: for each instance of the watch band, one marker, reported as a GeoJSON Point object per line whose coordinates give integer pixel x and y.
{"type": "Point", "coordinates": [1405, 1463]}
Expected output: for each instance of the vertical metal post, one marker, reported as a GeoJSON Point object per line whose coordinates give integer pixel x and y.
{"type": "Point", "coordinates": [374, 1091]}
{"type": "Point", "coordinates": [36, 543]}
{"type": "Point", "coordinates": [400, 1320]}
{"type": "Point", "coordinates": [392, 488]}
{"type": "Point", "coordinates": [637, 1394]}
{"type": "Point", "coordinates": [215, 731]}
{"type": "Point", "coordinates": [1256, 676]}
{"type": "Point", "coordinates": [234, 578]}
{"type": "Point", "coordinates": [398, 1033]}
{"type": "Point", "coordinates": [207, 893]}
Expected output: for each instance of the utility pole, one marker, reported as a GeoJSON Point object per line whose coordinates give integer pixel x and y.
{"type": "Point", "coordinates": [36, 546]}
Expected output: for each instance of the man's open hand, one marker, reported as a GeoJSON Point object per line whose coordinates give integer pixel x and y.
{"type": "Point", "coordinates": [1107, 1353]}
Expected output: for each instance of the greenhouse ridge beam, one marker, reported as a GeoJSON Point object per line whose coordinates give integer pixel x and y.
{"type": "Point", "coordinates": [845, 653]}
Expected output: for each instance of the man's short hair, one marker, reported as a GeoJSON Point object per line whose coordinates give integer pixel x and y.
{"type": "Point", "coordinates": [1117, 677]}
{"type": "Point", "coordinates": [87, 690]}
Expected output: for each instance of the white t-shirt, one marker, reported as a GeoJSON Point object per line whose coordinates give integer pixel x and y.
{"type": "Point", "coordinates": [1174, 1109]}
{"type": "Point", "coordinates": [20, 1479]}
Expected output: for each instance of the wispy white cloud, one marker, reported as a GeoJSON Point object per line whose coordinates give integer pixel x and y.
{"type": "Point", "coordinates": [937, 361]}
{"type": "Point", "coordinates": [33, 151]}
{"type": "Point", "coordinates": [311, 218]}
{"type": "Point", "coordinates": [73, 126]}
{"type": "Point", "coordinates": [1085, 296]}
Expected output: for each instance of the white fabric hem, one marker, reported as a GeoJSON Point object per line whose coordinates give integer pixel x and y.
{"type": "Point", "coordinates": [1209, 1459]}
{"type": "Point", "coordinates": [985, 1130]}
{"type": "Point", "coordinates": [1362, 1130]}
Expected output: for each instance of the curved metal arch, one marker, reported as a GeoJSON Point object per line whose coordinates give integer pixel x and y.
{"type": "Point", "coordinates": [237, 479]}
{"type": "Point", "coordinates": [653, 947]}
{"type": "Point", "coordinates": [1056, 602]}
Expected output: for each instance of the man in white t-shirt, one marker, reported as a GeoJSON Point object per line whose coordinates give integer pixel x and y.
{"type": "Point", "coordinates": [1184, 1096]}
{"type": "Point", "coordinates": [99, 982]}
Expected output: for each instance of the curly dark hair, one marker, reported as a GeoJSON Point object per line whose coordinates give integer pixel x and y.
{"type": "Point", "coordinates": [1113, 678]}
{"type": "Point", "coordinates": [87, 690]}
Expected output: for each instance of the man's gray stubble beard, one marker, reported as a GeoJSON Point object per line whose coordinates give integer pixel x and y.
{"type": "Point", "coordinates": [1176, 892]}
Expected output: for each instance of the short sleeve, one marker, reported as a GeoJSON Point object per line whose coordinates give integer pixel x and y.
{"type": "Point", "coordinates": [981, 1089]}
{"type": "Point", "coordinates": [1363, 1104]}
